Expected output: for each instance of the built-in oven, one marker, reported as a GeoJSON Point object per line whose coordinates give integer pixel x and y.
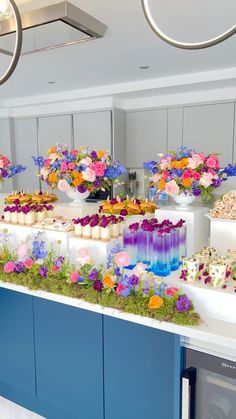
{"type": "Point", "coordinates": [208, 387]}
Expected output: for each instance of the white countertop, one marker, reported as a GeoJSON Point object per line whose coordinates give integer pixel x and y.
{"type": "Point", "coordinates": [215, 336]}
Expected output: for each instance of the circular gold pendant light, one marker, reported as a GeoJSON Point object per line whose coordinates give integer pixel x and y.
{"type": "Point", "coordinates": [184, 45]}
{"type": "Point", "coordinates": [18, 43]}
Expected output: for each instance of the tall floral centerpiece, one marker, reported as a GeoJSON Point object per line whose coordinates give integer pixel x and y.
{"type": "Point", "coordinates": [78, 172]}
{"type": "Point", "coordinates": [8, 170]}
{"type": "Point", "coordinates": [185, 174]}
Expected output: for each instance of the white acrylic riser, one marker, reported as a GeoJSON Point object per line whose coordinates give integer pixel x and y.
{"type": "Point", "coordinates": [64, 209]}
{"type": "Point", "coordinates": [99, 250]}
{"type": "Point", "coordinates": [198, 226]}
{"type": "Point", "coordinates": [222, 235]}
{"type": "Point", "coordinates": [20, 233]}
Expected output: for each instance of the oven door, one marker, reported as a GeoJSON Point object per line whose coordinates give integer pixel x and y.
{"type": "Point", "coordinates": [208, 387]}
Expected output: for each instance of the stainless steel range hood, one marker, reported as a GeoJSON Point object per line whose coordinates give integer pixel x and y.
{"type": "Point", "coordinates": [50, 27]}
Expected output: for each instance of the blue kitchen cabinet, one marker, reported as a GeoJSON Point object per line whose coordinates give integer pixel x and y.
{"type": "Point", "coordinates": [17, 366]}
{"type": "Point", "coordinates": [69, 359]}
{"type": "Point", "coordinates": [142, 368]}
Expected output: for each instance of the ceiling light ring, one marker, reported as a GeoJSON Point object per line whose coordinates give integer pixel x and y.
{"type": "Point", "coordinates": [18, 44]}
{"type": "Point", "coordinates": [184, 45]}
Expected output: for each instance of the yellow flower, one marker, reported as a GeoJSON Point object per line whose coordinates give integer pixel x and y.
{"type": "Point", "coordinates": [108, 281]}
{"type": "Point", "coordinates": [161, 184]}
{"type": "Point", "coordinates": [184, 162]}
{"type": "Point", "coordinates": [155, 302]}
{"type": "Point", "coordinates": [100, 153]}
{"type": "Point", "coordinates": [52, 150]}
{"type": "Point", "coordinates": [187, 182]}
{"type": "Point", "coordinates": [78, 180]}
{"type": "Point", "coordinates": [52, 177]}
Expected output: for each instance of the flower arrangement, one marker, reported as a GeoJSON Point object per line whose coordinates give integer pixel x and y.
{"type": "Point", "coordinates": [139, 292]}
{"type": "Point", "coordinates": [81, 169]}
{"type": "Point", "coordinates": [8, 170]}
{"type": "Point", "coordinates": [190, 172]}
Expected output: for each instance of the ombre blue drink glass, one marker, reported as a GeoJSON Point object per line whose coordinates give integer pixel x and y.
{"type": "Point", "coordinates": [182, 241]}
{"type": "Point", "coordinates": [144, 246]}
{"type": "Point", "coordinates": [130, 245]}
{"type": "Point", "coordinates": [162, 253]}
{"type": "Point", "coordinates": [175, 241]}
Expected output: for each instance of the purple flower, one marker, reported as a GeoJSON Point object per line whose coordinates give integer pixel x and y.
{"type": "Point", "coordinates": [133, 281]}
{"type": "Point", "coordinates": [124, 212]}
{"type": "Point", "coordinates": [207, 280]}
{"type": "Point", "coordinates": [216, 183]}
{"type": "Point", "coordinates": [227, 274]}
{"type": "Point", "coordinates": [59, 261]}
{"type": "Point", "coordinates": [183, 303]}
{"type": "Point", "coordinates": [93, 154]}
{"type": "Point", "coordinates": [43, 271]}
{"type": "Point", "coordinates": [82, 188]}
{"type": "Point", "coordinates": [97, 183]}
{"type": "Point", "coordinates": [93, 275]}
{"type": "Point", "coordinates": [197, 192]}
{"type": "Point", "coordinates": [98, 285]}
{"type": "Point", "coordinates": [117, 271]}
{"type": "Point", "coordinates": [125, 292]}
{"type": "Point", "coordinates": [184, 274]}
{"type": "Point", "coordinates": [19, 267]}
{"type": "Point", "coordinates": [201, 266]}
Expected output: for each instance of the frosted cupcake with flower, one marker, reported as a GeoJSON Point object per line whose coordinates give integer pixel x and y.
{"type": "Point", "coordinates": [189, 172]}
{"type": "Point", "coordinates": [78, 170]}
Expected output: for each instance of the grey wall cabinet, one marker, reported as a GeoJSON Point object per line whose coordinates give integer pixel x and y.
{"type": "Point", "coordinates": [146, 136]}
{"type": "Point", "coordinates": [25, 146]}
{"type": "Point", "coordinates": [54, 130]}
{"type": "Point", "coordinates": [5, 149]}
{"type": "Point", "coordinates": [209, 128]}
{"type": "Point", "coordinates": [175, 128]}
{"type": "Point", "coordinates": [93, 129]}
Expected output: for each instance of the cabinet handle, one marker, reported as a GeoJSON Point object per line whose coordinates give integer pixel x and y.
{"type": "Point", "coordinates": [188, 393]}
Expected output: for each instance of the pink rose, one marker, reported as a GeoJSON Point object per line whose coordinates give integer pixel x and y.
{"type": "Point", "coordinates": [74, 152]}
{"type": "Point", "coordinates": [187, 174]}
{"type": "Point", "coordinates": [99, 168]}
{"type": "Point", "coordinates": [196, 175]}
{"type": "Point", "coordinates": [28, 263]}
{"type": "Point", "coordinates": [75, 276]}
{"type": "Point", "coordinates": [206, 179]}
{"type": "Point", "coordinates": [89, 175]}
{"type": "Point", "coordinates": [64, 166]}
{"type": "Point", "coordinates": [120, 288]}
{"type": "Point", "coordinates": [4, 162]}
{"type": "Point", "coordinates": [63, 185]}
{"type": "Point", "coordinates": [22, 251]}
{"type": "Point", "coordinates": [47, 163]}
{"type": "Point", "coordinates": [213, 162]}
{"type": "Point", "coordinates": [122, 259]}
{"type": "Point", "coordinates": [71, 166]}
{"type": "Point", "coordinates": [165, 174]}
{"type": "Point", "coordinates": [164, 163]}
{"type": "Point", "coordinates": [139, 269]}
{"type": "Point", "coordinates": [172, 188]}
{"type": "Point", "coordinates": [171, 291]}
{"type": "Point", "coordinates": [196, 160]}
{"type": "Point", "coordinates": [9, 267]}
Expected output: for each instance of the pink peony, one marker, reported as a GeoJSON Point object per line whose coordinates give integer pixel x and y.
{"type": "Point", "coordinates": [63, 185]}
{"type": "Point", "coordinates": [99, 168]}
{"type": "Point", "coordinates": [89, 175]}
{"type": "Point", "coordinates": [22, 251]}
{"type": "Point", "coordinates": [196, 175]}
{"type": "Point", "coordinates": [213, 162]}
{"type": "Point", "coordinates": [86, 160]}
{"type": "Point", "coordinates": [122, 259]}
{"type": "Point", "coordinates": [28, 263]}
{"type": "Point", "coordinates": [171, 291]}
{"type": "Point", "coordinates": [9, 267]}
{"type": "Point", "coordinates": [206, 179]}
{"type": "Point", "coordinates": [139, 269]}
{"type": "Point", "coordinates": [120, 288]}
{"type": "Point", "coordinates": [172, 188]}
{"type": "Point", "coordinates": [75, 276]}
{"type": "Point", "coordinates": [196, 160]}
{"type": "Point", "coordinates": [71, 166]}
{"type": "Point", "coordinates": [64, 166]}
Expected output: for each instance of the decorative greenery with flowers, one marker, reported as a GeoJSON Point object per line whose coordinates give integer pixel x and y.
{"type": "Point", "coordinates": [81, 169]}
{"type": "Point", "coordinates": [138, 292]}
{"type": "Point", "coordinates": [187, 171]}
{"type": "Point", "coordinates": [8, 170]}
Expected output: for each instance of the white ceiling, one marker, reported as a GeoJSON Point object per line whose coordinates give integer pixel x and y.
{"type": "Point", "coordinates": [128, 44]}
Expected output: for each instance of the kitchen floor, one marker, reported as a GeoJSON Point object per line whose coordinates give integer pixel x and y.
{"type": "Point", "coordinates": [9, 410]}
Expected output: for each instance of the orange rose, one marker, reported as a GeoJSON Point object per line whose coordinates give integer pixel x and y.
{"type": "Point", "coordinates": [108, 281]}
{"type": "Point", "coordinates": [161, 184]}
{"type": "Point", "coordinates": [78, 180]}
{"type": "Point", "coordinates": [75, 174]}
{"type": "Point", "coordinates": [52, 177]}
{"type": "Point", "coordinates": [52, 150]}
{"type": "Point", "coordinates": [155, 302]}
{"type": "Point", "coordinates": [184, 162]}
{"type": "Point", "coordinates": [187, 182]}
{"type": "Point", "coordinates": [176, 164]}
{"type": "Point", "coordinates": [100, 153]}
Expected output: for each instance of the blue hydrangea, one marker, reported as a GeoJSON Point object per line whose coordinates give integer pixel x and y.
{"type": "Point", "coordinates": [38, 161]}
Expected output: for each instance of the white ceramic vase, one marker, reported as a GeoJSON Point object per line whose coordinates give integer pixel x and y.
{"type": "Point", "coordinates": [184, 200]}
{"type": "Point", "coordinates": [77, 197]}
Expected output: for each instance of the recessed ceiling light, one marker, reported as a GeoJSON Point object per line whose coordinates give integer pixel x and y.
{"type": "Point", "coordinates": [144, 67]}
{"type": "Point", "coordinates": [51, 82]}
